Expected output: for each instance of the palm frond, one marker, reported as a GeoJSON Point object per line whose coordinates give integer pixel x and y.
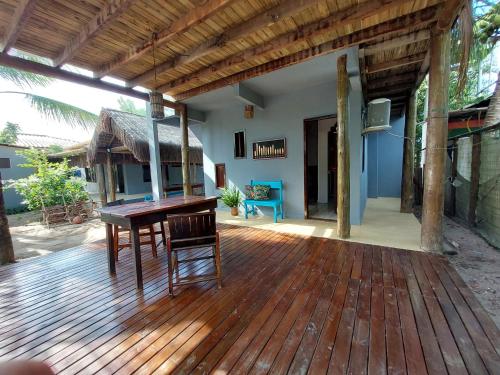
{"type": "Point", "coordinates": [23, 79]}
{"type": "Point", "coordinates": [465, 32]}
{"type": "Point", "coordinates": [63, 112]}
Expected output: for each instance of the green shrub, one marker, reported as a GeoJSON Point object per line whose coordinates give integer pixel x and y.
{"type": "Point", "coordinates": [51, 184]}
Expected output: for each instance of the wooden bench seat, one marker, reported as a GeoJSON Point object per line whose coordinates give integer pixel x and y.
{"type": "Point", "coordinates": [275, 203]}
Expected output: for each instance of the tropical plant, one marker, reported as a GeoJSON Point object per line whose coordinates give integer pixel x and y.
{"type": "Point", "coordinates": [127, 105]}
{"type": "Point", "coordinates": [231, 197]}
{"type": "Point", "coordinates": [47, 107]}
{"type": "Point", "coordinates": [51, 184]}
{"type": "Point", "coordinates": [9, 133]}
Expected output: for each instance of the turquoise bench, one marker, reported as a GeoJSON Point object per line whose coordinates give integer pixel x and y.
{"type": "Point", "coordinates": [274, 203]}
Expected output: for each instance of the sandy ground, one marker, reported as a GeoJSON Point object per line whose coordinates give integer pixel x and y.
{"type": "Point", "coordinates": [30, 238]}
{"type": "Point", "coordinates": [478, 264]}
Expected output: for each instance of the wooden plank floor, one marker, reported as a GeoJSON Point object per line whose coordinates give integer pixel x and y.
{"type": "Point", "coordinates": [289, 304]}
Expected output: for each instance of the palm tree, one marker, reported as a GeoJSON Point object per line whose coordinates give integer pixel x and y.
{"type": "Point", "coordinates": [49, 108]}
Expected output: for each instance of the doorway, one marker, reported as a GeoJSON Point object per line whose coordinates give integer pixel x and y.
{"type": "Point", "coordinates": [320, 168]}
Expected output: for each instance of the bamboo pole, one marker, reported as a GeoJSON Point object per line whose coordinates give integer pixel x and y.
{"type": "Point", "coordinates": [101, 183]}
{"type": "Point", "coordinates": [186, 180]}
{"type": "Point", "coordinates": [435, 151]}
{"type": "Point", "coordinates": [111, 177]}
{"type": "Point", "coordinates": [407, 191]}
{"type": "Point", "coordinates": [343, 176]}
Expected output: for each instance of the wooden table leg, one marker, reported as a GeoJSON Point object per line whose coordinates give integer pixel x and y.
{"type": "Point", "coordinates": [110, 248]}
{"type": "Point", "coordinates": [136, 246]}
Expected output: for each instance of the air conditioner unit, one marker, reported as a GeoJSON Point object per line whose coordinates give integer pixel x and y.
{"type": "Point", "coordinates": [379, 115]}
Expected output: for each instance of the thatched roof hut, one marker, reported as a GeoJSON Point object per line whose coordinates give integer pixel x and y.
{"type": "Point", "coordinates": [126, 135]}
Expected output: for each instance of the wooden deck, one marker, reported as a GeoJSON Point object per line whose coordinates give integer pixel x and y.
{"type": "Point", "coordinates": [289, 304]}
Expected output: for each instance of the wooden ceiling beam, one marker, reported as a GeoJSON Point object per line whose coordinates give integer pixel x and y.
{"type": "Point", "coordinates": [362, 36]}
{"type": "Point", "coordinates": [53, 72]}
{"type": "Point", "coordinates": [22, 13]}
{"type": "Point", "coordinates": [386, 65]}
{"type": "Point", "coordinates": [179, 26]}
{"type": "Point", "coordinates": [389, 93]}
{"type": "Point", "coordinates": [262, 20]}
{"type": "Point", "coordinates": [391, 80]}
{"type": "Point", "coordinates": [449, 13]}
{"type": "Point", "coordinates": [111, 11]}
{"type": "Point", "coordinates": [334, 23]}
{"type": "Point", "coordinates": [418, 36]}
{"type": "Point", "coordinates": [393, 87]}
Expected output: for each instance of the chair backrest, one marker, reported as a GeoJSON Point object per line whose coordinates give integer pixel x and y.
{"type": "Point", "coordinates": [274, 185]}
{"type": "Point", "coordinates": [118, 202]}
{"type": "Point", "coordinates": [192, 226]}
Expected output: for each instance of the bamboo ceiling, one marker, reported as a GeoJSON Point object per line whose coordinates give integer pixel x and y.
{"type": "Point", "coordinates": [206, 44]}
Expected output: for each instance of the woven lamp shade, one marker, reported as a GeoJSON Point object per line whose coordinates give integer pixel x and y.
{"type": "Point", "coordinates": [156, 101]}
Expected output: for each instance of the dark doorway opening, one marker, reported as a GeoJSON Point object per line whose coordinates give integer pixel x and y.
{"type": "Point", "coordinates": [320, 168]}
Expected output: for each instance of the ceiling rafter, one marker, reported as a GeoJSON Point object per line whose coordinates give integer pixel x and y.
{"type": "Point", "coordinates": [392, 80]}
{"type": "Point", "coordinates": [330, 24]}
{"type": "Point", "coordinates": [411, 38]}
{"type": "Point", "coordinates": [22, 13]}
{"type": "Point", "coordinates": [386, 65]}
{"type": "Point", "coordinates": [111, 11]}
{"type": "Point", "coordinates": [233, 34]}
{"type": "Point", "coordinates": [181, 25]}
{"type": "Point", "coordinates": [387, 28]}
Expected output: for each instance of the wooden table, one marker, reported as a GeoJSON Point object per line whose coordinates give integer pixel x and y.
{"type": "Point", "coordinates": [134, 215]}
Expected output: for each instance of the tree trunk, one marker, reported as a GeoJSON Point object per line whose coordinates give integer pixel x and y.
{"type": "Point", "coordinates": [343, 176]}
{"type": "Point", "coordinates": [6, 248]}
{"type": "Point", "coordinates": [186, 180]}
{"type": "Point", "coordinates": [111, 177]}
{"type": "Point", "coordinates": [435, 150]}
{"type": "Point", "coordinates": [407, 189]}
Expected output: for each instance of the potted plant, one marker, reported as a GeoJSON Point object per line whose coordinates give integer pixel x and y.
{"type": "Point", "coordinates": [231, 197]}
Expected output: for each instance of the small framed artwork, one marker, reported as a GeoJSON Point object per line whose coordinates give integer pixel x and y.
{"type": "Point", "coordinates": [270, 149]}
{"type": "Point", "coordinates": [240, 145]}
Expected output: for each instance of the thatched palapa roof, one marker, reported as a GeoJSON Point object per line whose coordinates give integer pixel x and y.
{"type": "Point", "coordinates": [126, 135]}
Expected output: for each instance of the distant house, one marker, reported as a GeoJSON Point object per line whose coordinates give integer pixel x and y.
{"type": "Point", "coordinates": [124, 137]}
{"type": "Point", "coordinates": [10, 158]}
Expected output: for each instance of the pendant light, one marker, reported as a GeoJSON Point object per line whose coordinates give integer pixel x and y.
{"type": "Point", "coordinates": [156, 97]}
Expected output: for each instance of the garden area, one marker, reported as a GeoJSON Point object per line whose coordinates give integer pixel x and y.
{"type": "Point", "coordinates": [59, 212]}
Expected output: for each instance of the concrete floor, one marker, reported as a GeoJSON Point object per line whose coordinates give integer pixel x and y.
{"type": "Point", "coordinates": [383, 225]}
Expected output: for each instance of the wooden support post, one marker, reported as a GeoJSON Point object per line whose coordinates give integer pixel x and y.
{"type": "Point", "coordinates": [101, 183]}
{"type": "Point", "coordinates": [435, 150]}
{"type": "Point", "coordinates": [475, 165]}
{"type": "Point", "coordinates": [454, 174]}
{"type": "Point", "coordinates": [6, 247]}
{"type": "Point", "coordinates": [407, 190]}
{"type": "Point", "coordinates": [111, 177]}
{"type": "Point", "coordinates": [343, 176]}
{"type": "Point", "coordinates": [186, 180]}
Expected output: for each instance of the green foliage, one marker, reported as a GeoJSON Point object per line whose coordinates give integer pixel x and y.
{"type": "Point", "coordinates": [488, 25]}
{"type": "Point", "coordinates": [231, 197]}
{"type": "Point", "coordinates": [9, 133]}
{"type": "Point", "coordinates": [127, 105]}
{"type": "Point", "coordinates": [51, 184]}
{"type": "Point", "coordinates": [54, 149]}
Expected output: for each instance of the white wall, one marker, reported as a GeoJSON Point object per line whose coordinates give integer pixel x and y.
{"type": "Point", "coordinates": [282, 117]}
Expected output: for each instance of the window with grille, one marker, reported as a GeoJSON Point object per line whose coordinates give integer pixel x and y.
{"type": "Point", "coordinates": [239, 145]}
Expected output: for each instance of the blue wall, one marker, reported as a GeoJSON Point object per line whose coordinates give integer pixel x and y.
{"type": "Point", "coordinates": [283, 117]}
{"type": "Point", "coordinates": [385, 161]}
{"type": "Point", "coordinates": [134, 179]}
{"type": "Point", "coordinates": [12, 199]}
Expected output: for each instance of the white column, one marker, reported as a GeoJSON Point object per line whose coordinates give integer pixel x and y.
{"type": "Point", "coordinates": [154, 155]}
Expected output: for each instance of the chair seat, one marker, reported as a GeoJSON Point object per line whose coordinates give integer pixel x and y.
{"type": "Point", "coordinates": [265, 202]}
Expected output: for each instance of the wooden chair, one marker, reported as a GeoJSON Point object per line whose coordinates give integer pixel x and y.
{"type": "Point", "coordinates": [191, 231]}
{"type": "Point", "coordinates": [147, 232]}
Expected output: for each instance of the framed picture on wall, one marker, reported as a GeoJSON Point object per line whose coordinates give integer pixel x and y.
{"type": "Point", "coordinates": [269, 149]}
{"type": "Point", "coordinates": [240, 145]}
